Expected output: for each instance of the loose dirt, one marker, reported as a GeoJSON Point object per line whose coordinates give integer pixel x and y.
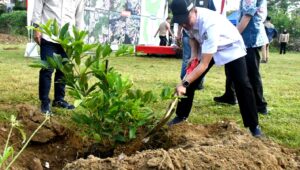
{"type": "Point", "coordinates": [184, 146]}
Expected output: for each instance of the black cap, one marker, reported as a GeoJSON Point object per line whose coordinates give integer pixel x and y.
{"type": "Point", "coordinates": [180, 10]}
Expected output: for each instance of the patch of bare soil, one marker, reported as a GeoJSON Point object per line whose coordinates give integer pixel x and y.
{"type": "Point", "coordinates": [53, 146]}
{"type": "Point", "coordinates": [12, 39]}
{"type": "Point", "coordinates": [187, 146]}
{"type": "Point", "coordinates": [184, 146]}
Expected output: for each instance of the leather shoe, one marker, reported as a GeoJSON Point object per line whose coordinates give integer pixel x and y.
{"type": "Point", "coordinates": [62, 104]}
{"type": "Point", "coordinates": [176, 120]}
{"type": "Point", "coordinates": [45, 108]}
{"type": "Point", "coordinates": [263, 111]}
{"type": "Point", "coordinates": [224, 99]}
{"type": "Point", "coordinates": [256, 132]}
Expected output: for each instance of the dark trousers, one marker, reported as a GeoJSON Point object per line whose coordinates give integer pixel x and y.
{"type": "Point", "coordinates": [282, 47]}
{"type": "Point", "coordinates": [163, 40]}
{"type": "Point", "coordinates": [252, 62]}
{"type": "Point", "coordinates": [237, 70]}
{"type": "Point", "coordinates": [47, 50]}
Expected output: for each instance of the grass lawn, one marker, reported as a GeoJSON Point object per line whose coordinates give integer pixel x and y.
{"type": "Point", "coordinates": [281, 80]}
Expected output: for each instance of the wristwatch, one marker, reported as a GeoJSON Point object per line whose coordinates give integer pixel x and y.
{"type": "Point", "coordinates": [185, 83]}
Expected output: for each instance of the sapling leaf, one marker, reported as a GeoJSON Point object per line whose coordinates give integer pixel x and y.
{"type": "Point", "coordinates": [77, 103]}
{"type": "Point", "coordinates": [132, 132]}
{"type": "Point", "coordinates": [9, 151]}
{"type": "Point", "coordinates": [63, 31]}
{"type": "Point", "coordinates": [106, 51]}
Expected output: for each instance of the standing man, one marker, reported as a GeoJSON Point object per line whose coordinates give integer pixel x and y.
{"type": "Point", "coordinates": [271, 33]}
{"type": "Point", "coordinates": [64, 11]}
{"type": "Point", "coordinates": [163, 29]}
{"type": "Point", "coordinates": [220, 44]}
{"type": "Point", "coordinates": [283, 40]}
{"type": "Point", "coordinates": [252, 15]}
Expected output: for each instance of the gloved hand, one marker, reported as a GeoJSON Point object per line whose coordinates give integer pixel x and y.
{"type": "Point", "coordinates": [192, 65]}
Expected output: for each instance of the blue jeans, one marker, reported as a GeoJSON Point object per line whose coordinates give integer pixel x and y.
{"type": "Point", "coordinates": [47, 50]}
{"type": "Point", "coordinates": [186, 55]}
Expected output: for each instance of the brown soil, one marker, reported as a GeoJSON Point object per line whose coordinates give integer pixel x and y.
{"type": "Point", "coordinates": [185, 146]}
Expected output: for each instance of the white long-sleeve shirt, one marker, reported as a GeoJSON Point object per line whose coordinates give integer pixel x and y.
{"type": "Point", "coordinates": [217, 36]}
{"type": "Point", "coordinates": [64, 11]}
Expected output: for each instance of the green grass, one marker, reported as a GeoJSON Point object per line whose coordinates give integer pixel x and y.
{"type": "Point", "coordinates": [281, 80]}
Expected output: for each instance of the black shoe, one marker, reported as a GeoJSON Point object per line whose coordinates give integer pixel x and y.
{"type": "Point", "coordinates": [176, 120]}
{"type": "Point", "coordinates": [63, 104]}
{"type": "Point", "coordinates": [256, 132]}
{"type": "Point", "coordinates": [223, 99]}
{"type": "Point", "coordinates": [263, 111]}
{"type": "Point", "coordinates": [263, 61]}
{"type": "Point", "coordinates": [200, 87]}
{"type": "Point", "coordinates": [45, 108]}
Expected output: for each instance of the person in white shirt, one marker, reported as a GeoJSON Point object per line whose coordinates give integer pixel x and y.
{"type": "Point", "coordinates": [221, 44]}
{"type": "Point", "coordinates": [64, 11]}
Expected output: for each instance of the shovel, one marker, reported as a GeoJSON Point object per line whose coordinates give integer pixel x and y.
{"type": "Point", "coordinates": [164, 119]}
{"type": "Point", "coordinates": [171, 108]}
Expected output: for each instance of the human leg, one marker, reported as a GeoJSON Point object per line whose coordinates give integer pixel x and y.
{"type": "Point", "coordinates": [59, 84]}
{"type": "Point", "coordinates": [264, 53]}
{"type": "Point", "coordinates": [284, 47]}
{"type": "Point", "coordinates": [163, 40]}
{"type": "Point", "coordinates": [267, 52]}
{"type": "Point", "coordinates": [184, 106]}
{"type": "Point", "coordinates": [229, 96]}
{"type": "Point", "coordinates": [252, 62]}
{"type": "Point", "coordinates": [237, 69]}
{"type": "Point", "coordinates": [281, 48]}
{"type": "Point", "coordinates": [47, 50]}
{"type": "Point", "coordinates": [186, 55]}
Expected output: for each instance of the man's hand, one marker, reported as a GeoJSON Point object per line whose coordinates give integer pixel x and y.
{"type": "Point", "coordinates": [37, 37]}
{"type": "Point", "coordinates": [180, 89]}
{"type": "Point", "coordinates": [191, 60]}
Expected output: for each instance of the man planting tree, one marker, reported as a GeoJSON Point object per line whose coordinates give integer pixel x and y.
{"type": "Point", "coordinates": [221, 44]}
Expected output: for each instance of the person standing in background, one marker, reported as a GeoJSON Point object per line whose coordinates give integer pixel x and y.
{"type": "Point", "coordinates": [283, 40]}
{"type": "Point", "coordinates": [163, 29]}
{"type": "Point", "coordinates": [66, 11]}
{"type": "Point", "coordinates": [271, 33]}
{"type": "Point", "coordinates": [251, 27]}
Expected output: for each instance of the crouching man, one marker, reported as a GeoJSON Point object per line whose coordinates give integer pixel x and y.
{"type": "Point", "coordinates": [221, 44]}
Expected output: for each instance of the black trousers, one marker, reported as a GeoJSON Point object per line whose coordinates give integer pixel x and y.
{"type": "Point", "coordinates": [252, 62]}
{"type": "Point", "coordinates": [47, 50]}
{"type": "Point", "coordinates": [163, 40]}
{"type": "Point", "coordinates": [237, 70]}
{"type": "Point", "coordinates": [282, 47]}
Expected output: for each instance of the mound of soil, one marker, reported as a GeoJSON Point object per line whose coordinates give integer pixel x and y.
{"type": "Point", "coordinates": [187, 146]}
{"type": "Point", "coordinates": [51, 148]}
{"type": "Point", "coordinates": [184, 146]}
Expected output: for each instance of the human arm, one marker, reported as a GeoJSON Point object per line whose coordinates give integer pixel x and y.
{"type": "Point", "coordinates": [243, 23]}
{"type": "Point", "coordinates": [156, 32]}
{"type": "Point", "coordinates": [169, 29]}
{"type": "Point", "coordinates": [37, 19]}
{"type": "Point", "coordinates": [196, 73]}
{"type": "Point", "coordinates": [179, 32]}
{"type": "Point", "coordinates": [248, 9]}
